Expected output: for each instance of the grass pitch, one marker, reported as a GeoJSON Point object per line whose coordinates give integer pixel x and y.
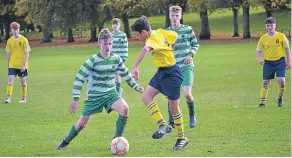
{"type": "Point", "coordinates": [226, 90]}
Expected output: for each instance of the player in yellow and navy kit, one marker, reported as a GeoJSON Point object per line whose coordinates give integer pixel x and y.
{"type": "Point", "coordinates": [167, 80]}
{"type": "Point", "coordinates": [274, 46]}
{"type": "Point", "coordinates": [17, 49]}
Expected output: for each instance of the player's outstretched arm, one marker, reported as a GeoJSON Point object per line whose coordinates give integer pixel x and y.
{"type": "Point", "coordinates": [143, 52]}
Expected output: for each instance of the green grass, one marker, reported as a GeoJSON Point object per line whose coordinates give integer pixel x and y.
{"type": "Point", "coordinates": [226, 90]}
{"type": "Point", "coordinates": [220, 22]}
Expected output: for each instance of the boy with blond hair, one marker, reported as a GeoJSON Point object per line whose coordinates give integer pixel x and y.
{"type": "Point", "coordinates": [17, 49]}
{"type": "Point", "coordinates": [185, 48]}
{"type": "Point", "coordinates": [100, 70]}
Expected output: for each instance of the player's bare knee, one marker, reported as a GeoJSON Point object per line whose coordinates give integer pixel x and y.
{"type": "Point", "coordinates": [188, 97]}
{"type": "Point", "coordinates": [80, 125]}
{"type": "Point", "coordinates": [23, 81]}
{"type": "Point", "coordinates": [281, 82]}
{"type": "Point", "coordinates": [11, 79]}
{"type": "Point", "coordinates": [266, 83]}
{"type": "Point", "coordinates": [124, 110]}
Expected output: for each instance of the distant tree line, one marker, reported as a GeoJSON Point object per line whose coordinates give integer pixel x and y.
{"type": "Point", "coordinates": [64, 15]}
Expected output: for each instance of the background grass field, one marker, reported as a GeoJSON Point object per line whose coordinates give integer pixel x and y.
{"type": "Point", "coordinates": [226, 90]}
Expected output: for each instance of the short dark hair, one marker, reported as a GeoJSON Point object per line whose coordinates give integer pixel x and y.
{"type": "Point", "coordinates": [270, 20]}
{"type": "Point", "coordinates": [141, 24]}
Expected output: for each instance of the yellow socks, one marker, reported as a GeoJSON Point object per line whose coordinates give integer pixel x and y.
{"type": "Point", "coordinates": [264, 94]}
{"type": "Point", "coordinates": [24, 91]}
{"type": "Point", "coordinates": [281, 89]}
{"type": "Point", "coordinates": [9, 90]}
{"type": "Point", "coordinates": [156, 113]}
{"type": "Point", "coordinates": [178, 121]}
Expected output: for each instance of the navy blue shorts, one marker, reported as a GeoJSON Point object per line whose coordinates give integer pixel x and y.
{"type": "Point", "coordinates": [271, 68]}
{"type": "Point", "coordinates": [17, 72]}
{"type": "Point", "coordinates": [168, 81]}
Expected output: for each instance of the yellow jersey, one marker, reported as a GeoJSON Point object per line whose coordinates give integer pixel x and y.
{"type": "Point", "coordinates": [161, 44]}
{"type": "Point", "coordinates": [273, 47]}
{"type": "Point", "coordinates": [17, 48]}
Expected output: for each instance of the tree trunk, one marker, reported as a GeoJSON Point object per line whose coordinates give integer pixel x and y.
{"type": "Point", "coordinates": [235, 22]}
{"type": "Point", "coordinates": [25, 30]}
{"type": "Point", "coordinates": [7, 30]}
{"type": "Point", "coordinates": [93, 34]}
{"type": "Point", "coordinates": [46, 36]}
{"type": "Point", "coordinates": [205, 29]}
{"type": "Point", "coordinates": [167, 20]}
{"type": "Point", "coordinates": [51, 34]}
{"type": "Point", "coordinates": [246, 28]}
{"type": "Point", "coordinates": [268, 13]}
{"type": "Point", "coordinates": [70, 35]}
{"type": "Point", "coordinates": [126, 25]}
{"type": "Point", "coordinates": [40, 28]}
{"type": "Point", "coordinates": [1, 30]}
{"type": "Point", "coordinates": [100, 26]}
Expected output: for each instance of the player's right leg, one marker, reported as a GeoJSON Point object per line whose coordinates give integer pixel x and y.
{"type": "Point", "coordinates": [268, 74]}
{"type": "Point", "coordinates": [280, 74]}
{"type": "Point", "coordinates": [82, 122]}
{"type": "Point", "coordinates": [147, 98]}
{"type": "Point", "coordinates": [122, 107]}
{"type": "Point", "coordinates": [182, 141]}
{"type": "Point", "coordinates": [23, 89]}
{"type": "Point", "coordinates": [11, 77]}
{"type": "Point", "coordinates": [264, 93]}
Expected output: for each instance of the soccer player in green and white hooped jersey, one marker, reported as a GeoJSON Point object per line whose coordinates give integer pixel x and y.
{"type": "Point", "coordinates": [120, 46]}
{"type": "Point", "coordinates": [100, 70]}
{"type": "Point", "coordinates": [185, 48]}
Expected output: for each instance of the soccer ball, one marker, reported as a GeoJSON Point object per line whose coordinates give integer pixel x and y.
{"type": "Point", "coordinates": [120, 146]}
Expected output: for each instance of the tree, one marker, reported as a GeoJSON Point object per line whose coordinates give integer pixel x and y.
{"type": "Point", "coordinates": [130, 8]}
{"type": "Point", "coordinates": [268, 7]}
{"type": "Point", "coordinates": [235, 6]}
{"type": "Point", "coordinates": [68, 14]}
{"type": "Point", "coordinates": [202, 6]}
{"type": "Point", "coordinates": [246, 4]}
{"type": "Point", "coordinates": [7, 12]}
{"type": "Point", "coordinates": [40, 12]}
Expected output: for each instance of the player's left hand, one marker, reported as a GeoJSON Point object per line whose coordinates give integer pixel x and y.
{"type": "Point", "coordinates": [135, 73]}
{"type": "Point", "coordinates": [22, 69]}
{"type": "Point", "coordinates": [288, 65]}
{"type": "Point", "coordinates": [140, 89]}
{"type": "Point", "coordinates": [188, 60]}
{"type": "Point", "coordinates": [73, 106]}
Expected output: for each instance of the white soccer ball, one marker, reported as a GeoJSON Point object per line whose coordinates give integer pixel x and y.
{"type": "Point", "coordinates": [120, 146]}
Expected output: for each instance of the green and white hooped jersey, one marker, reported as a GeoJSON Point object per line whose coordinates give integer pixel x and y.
{"type": "Point", "coordinates": [186, 43]}
{"type": "Point", "coordinates": [120, 44]}
{"type": "Point", "coordinates": [100, 74]}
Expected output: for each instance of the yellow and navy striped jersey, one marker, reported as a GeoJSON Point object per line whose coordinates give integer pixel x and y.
{"type": "Point", "coordinates": [17, 48]}
{"type": "Point", "coordinates": [161, 43]}
{"type": "Point", "coordinates": [273, 48]}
